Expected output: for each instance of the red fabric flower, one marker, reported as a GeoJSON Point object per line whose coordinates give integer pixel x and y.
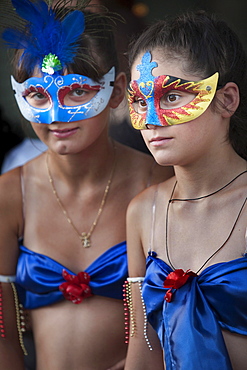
{"type": "Point", "coordinates": [175, 280]}
{"type": "Point", "coordinates": [76, 287]}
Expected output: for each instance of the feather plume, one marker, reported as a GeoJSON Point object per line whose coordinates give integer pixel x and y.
{"type": "Point", "coordinates": [44, 33]}
{"type": "Point", "coordinates": [44, 30]}
{"type": "Point", "coordinates": [27, 10]}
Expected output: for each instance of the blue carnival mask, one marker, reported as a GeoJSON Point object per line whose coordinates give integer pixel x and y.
{"type": "Point", "coordinates": [68, 98]}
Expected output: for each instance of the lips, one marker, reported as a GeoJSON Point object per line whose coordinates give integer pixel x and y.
{"type": "Point", "coordinates": [64, 133]}
{"type": "Point", "coordinates": [159, 141]}
{"type": "Point", "coordinates": [158, 138]}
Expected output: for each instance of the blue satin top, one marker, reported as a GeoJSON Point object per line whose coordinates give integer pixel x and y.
{"type": "Point", "coordinates": [38, 276]}
{"type": "Point", "coordinates": [189, 327]}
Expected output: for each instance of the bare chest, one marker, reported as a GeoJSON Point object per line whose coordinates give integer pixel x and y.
{"type": "Point", "coordinates": [193, 237]}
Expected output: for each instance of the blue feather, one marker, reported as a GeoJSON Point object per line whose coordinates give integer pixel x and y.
{"type": "Point", "coordinates": [28, 10]}
{"type": "Point", "coordinates": [73, 26]}
{"type": "Point", "coordinates": [12, 39]}
{"type": "Point", "coordinates": [46, 34]}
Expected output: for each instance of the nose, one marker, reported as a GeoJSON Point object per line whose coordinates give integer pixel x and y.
{"type": "Point", "coordinates": [54, 115]}
{"type": "Point", "coordinates": [152, 118]}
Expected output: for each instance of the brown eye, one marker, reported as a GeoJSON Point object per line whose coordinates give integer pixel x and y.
{"type": "Point", "coordinates": [78, 96]}
{"type": "Point", "coordinates": [172, 98]}
{"type": "Point", "coordinates": [140, 105]}
{"type": "Point", "coordinates": [78, 92]}
{"type": "Point", "coordinates": [38, 100]}
{"type": "Point", "coordinates": [176, 99]}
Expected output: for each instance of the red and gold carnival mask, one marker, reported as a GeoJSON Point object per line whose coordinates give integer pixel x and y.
{"type": "Point", "coordinates": [146, 94]}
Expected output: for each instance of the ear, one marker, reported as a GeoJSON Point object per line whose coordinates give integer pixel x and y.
{"type": "Point", "coordinates": [119, 90]}
{"type": "Point", "coordinates": [229, 97]}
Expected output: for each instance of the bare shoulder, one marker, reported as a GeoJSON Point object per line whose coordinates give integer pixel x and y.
{"type": "Point", "coordinates": [10, 188]}
{"type": "Point", "coordinates": [141, 202]}
{"type": "Point", "coordinates": [143, 165]}
{"type": "Point", "coordinates": [11, 201]}
{"type": "Point", "coordinates": [141, 205]}
{"type": "Point", "coordinates": [11, 193]}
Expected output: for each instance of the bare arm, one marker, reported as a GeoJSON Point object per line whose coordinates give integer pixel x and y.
{"type": "Point", "coordinates": [11, 354]}
{"type": "Point", "coordinates": [139, 356]}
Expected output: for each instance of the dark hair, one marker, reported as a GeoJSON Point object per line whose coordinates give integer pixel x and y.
{"type": "Point", "coordinates": [207, 45]}
{"type": "Point", "coordinates": [98, 45]}
{"type": "Point", "coordinates": [96, 51]}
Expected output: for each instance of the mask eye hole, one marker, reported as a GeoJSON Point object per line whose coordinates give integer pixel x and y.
{"type": "Point", "coordinates": [77, 94]}
{"type": "Point", "coordinates": [139, 105]}
{"type": "Point", "coordinates": [37, 97]}
{"type": "Point", "coordinates": [176, 99]}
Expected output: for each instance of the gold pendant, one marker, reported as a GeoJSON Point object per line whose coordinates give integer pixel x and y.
{"type": "Point", "coordinates": [85, 240]}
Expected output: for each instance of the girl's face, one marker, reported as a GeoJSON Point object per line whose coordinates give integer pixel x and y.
{"type": "Point", "coordinates": [177, 144]}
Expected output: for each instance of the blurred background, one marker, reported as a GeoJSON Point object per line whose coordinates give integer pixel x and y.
{"type": "Point", "coordinates": [138, 14]}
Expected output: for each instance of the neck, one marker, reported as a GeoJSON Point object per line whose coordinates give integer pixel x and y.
{"type": "Point", "coordinates": [87, 166]}
{"type": "Point", "coordinates": [200, 180]}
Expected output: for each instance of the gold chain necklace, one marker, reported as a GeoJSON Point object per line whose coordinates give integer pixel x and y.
{"type": "Point", "coordinates": [84, 237]}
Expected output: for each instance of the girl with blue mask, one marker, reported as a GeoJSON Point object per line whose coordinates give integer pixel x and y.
{"type": "Point", "coordinates": [187, 236]}
{"type": "Point", "coordinates": [63, 249]}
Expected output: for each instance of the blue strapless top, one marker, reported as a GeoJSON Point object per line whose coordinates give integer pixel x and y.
{"type": "Point", "coordinates": [189, 327]}
{"type": "Point", "coordinates": [38, 276]}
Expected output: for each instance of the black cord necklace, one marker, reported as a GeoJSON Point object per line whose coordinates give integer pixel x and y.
{"type": "Point", "coordinates": [198, 198]}
{"type": "Point", "coordinates": [204, 196]}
